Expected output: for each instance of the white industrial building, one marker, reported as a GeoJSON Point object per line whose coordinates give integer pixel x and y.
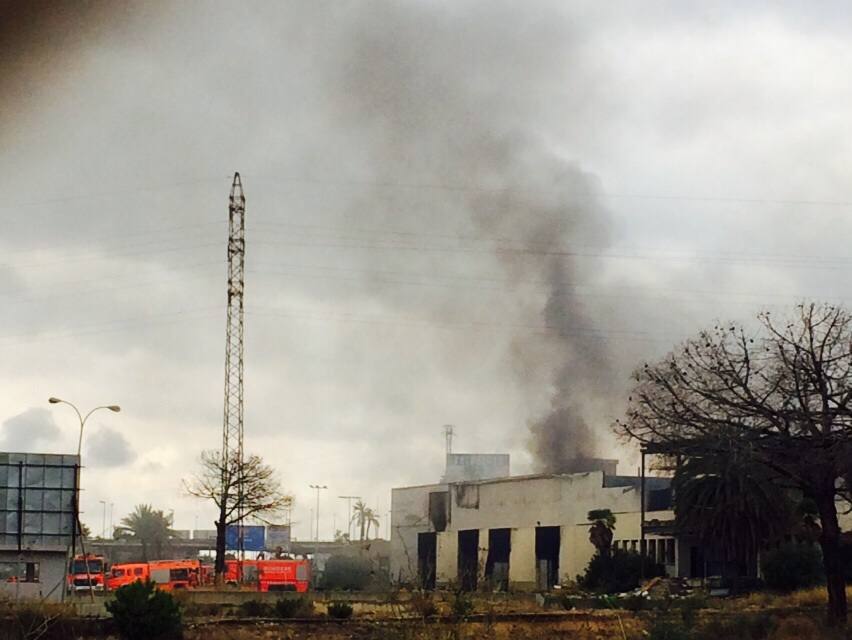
{"type": "Point", "coordinates": [525, 532]}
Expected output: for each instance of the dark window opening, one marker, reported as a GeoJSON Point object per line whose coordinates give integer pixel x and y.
{"type": "Point", "coordinates": [19, 572]}
{"type": "Point", "coordinates": [438, 509]}
{"type": "Point", "coordinates": [547, 557]}
{"type": "Point", "coordinates": [427, 558]}
{"type": "Point", "coordinates": [497, 563]}
{"type": "Point", "coordinates": [697, 564]}
{"type": "Point", "coordinates": [468, 559]}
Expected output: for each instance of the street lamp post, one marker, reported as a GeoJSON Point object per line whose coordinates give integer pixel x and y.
{"type": "Point", "coordinates": [318, 487]}
{"type": "Point", "coordinates": [103, 520]}
{"type": "Point", "coordinates": [77, 528]}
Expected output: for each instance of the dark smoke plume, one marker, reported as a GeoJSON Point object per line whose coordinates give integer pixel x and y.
{"type": "Point", "coordinates": [458, 98]}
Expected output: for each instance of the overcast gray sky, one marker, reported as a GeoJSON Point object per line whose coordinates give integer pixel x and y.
{"type": "Point", "coordinates": [477, 213]}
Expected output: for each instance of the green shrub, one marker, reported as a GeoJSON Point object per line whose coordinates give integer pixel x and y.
{"type": "Point", "coordinates": [792, 566]}
{"type": "Point", "coordinates": [255, 609]}
{"type": "Point", "coordinates": [461, 604]}
{"type": "Point", "coordinates": [294, 608]}
{"type": "Point", "coordinates": [742, 626]}
{"type": "Point", "coordinates": [346, 573]}
{"type": "Point", "coordinates": [669, 630]}
{"type": "Point", "coordinates": [143, 612]}
{"type": "Point", "coordinates": [340, 610]}
{"type": "Point", "coordinates": [423, 605]}
{"type": "Point", "coordinates": [618, 572]}
{"type": "Point", "coordinates": [689, 608]}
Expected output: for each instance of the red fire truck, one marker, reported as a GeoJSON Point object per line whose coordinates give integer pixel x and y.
{"type": "Point", "coordinates": [270, 575]}
{"type": "Point", "coordinates": [86, 572]}
{"type": "Point", "coordinates": [169, 575]}
{"type": "Point", "coordinates": [127, 573]}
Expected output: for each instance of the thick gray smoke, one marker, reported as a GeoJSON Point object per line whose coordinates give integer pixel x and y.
{"type": "Point", "coordinates": [457, 101]}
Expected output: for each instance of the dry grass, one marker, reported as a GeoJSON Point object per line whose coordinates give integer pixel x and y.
{"type": "Point", "coordinates": [806, 598]}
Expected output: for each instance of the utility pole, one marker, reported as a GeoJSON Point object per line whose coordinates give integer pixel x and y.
{"type": "Point", "coordinates": [349, 500]}
{"type": "Point", "coordinates": [232, 428]}
{"type": "Point", "coordinates": [448, 436]}
{"type": "Point", "coordinates": [103, 520]}
{"type": "Point", "coordinates": [318, 487]}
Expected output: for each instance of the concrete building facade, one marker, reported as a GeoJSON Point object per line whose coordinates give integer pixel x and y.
{"type": "Point", "coordinates": [522, 533]}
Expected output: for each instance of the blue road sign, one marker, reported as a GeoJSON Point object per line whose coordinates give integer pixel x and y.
{"type": "Point", "coordinates": [253, 537]}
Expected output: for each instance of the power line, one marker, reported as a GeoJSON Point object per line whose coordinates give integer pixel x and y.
{"type": "Point", "coordinates": [107, 238]}
{"type": "Point", "coordinates": [339, 234]}
{"type": "Point", "coordinates": [521, 251]}
{"type": "Point", "coordinates": [443, 186]}
{"type": "Point", "coordinates": [475, 325]}
{"type": "Point", "coordinates": [369, 279]}
{"type": "Point", "coordinates": [9, 340]}
{"type": "Point", "coordinates": [108, 255]}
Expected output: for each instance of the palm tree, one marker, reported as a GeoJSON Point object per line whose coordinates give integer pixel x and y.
{"type": "Point", "coordinates": [601, 531]}
{"type": "Point", "coordinates": [372, 520]}
{"type": "Point", "coordinates": [731, 506]}
{"type": "Point", "coordinates": [148, 526]}
{"type": "Point", "coordinates": [360, 516]}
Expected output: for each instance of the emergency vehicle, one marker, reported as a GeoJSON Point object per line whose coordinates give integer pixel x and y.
{"type": "Point", "coordinates": [86, 572]}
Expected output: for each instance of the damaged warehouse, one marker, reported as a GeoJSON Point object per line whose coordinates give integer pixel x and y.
{"type": "Point", "coordinates": [526, 533]}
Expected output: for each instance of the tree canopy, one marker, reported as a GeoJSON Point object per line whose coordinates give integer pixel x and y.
{"type": "Point", "coordinates": [778, 397]}
{"type": "Point", "coordinates": [248, 488]}
{"type": "Point", "coordinates": [152, 528]}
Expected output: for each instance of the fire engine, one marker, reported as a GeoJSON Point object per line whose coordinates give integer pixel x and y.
{"type": "Point", "coordinates": [169, 575]}
{"type": "Point", "coordinates": [270, 575]}
{"type": "Point", "coordinates": [127, 573]}
{"type": "Point", "coordinates": [86, 572]}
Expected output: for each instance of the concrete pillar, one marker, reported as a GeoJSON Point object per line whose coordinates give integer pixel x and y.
{"type": "Point", "coordinates": [447, 571]}
{"type": "Point", "coordinates": [482, 558]}
{"type": "Point", "coordinates": [522, 560]}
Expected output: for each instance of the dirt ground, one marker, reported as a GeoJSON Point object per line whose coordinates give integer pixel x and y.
{"type": "Point", "coordinates": [576, 626]}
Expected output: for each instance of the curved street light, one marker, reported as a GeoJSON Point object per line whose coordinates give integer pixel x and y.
{"type": "Point", "coordinates": [112, 407]}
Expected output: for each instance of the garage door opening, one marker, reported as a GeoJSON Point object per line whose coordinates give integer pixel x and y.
{"type": "Point", "coordinates": [468, 559]}
{"type": "Point", "coordinates": [427, 558]}
{"type": "Point", "coordinates": [547, 557]}
{"type": "Point", "coordinates": [497, 563]}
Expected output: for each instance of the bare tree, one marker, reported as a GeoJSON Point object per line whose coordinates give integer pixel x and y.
{"type": "Point", "coordinates": [779, 398]}
{"type": "Point", "coordinates": [261, 495]}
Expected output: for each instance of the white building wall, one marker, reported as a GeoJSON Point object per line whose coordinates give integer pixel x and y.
{"type": "Point", "coordinates": [409, 517]}
{"type": "Point", "coordinates": [482, 557]}
{"type": "Point", "coordinates": [521, 504]}
{"type": "Point", "coordinates": [522, 571]}
{"type": "Point", "coordinates": [447, 569]}
{"type": "Point", "coordinates": [51, 570]}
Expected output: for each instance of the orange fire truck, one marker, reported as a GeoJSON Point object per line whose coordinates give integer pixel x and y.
{"type": "Point", "coordinates": [270, 575]}
{"type": "Point", "coordinates": [86, 572]}
{"type": "Point", "coordinates": [127, 573]}
{"type": "Point", "coordinates": [168, 575]}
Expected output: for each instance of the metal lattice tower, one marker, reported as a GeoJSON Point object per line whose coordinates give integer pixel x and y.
{"type": "Point", "coordinates": [232, 430]}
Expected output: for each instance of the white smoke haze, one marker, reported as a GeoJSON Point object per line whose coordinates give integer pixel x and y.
{"type": "Point", "coordinates": [477, 213]}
